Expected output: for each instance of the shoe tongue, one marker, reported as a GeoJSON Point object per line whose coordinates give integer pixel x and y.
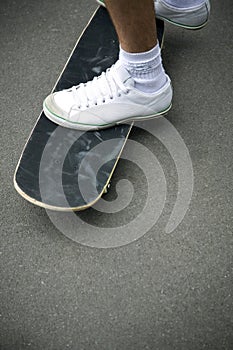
{"type": "Point", "coordinates": [123, 74]}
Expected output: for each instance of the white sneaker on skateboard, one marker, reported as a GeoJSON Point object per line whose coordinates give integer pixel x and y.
{"type": "Point", "coordinates": [105, 101]}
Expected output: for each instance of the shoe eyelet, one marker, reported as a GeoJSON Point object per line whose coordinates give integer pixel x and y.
{"type": "Point", "coordinates": [104, 100]}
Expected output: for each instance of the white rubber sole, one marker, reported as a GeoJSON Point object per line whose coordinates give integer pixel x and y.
{"type": "Point", "coordinates": [101, 3]}
{"type": "Point", "coordinates": [183, 25]}
{"type": "Point", "coordinates": [87, 127]}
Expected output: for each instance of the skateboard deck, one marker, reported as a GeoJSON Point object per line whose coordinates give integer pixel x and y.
{"type": "Point", "coordinates": [59, 167]}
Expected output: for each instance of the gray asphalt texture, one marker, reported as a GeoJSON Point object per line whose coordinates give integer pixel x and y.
{"type": "Point", "coordinates": [163, 291]}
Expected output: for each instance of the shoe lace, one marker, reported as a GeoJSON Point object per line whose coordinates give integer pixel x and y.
{"type": "Point", "coordinates": [106, 86]}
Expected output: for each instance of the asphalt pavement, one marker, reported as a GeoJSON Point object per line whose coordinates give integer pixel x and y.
{"type": "Point", "coordinates": [161, 289]}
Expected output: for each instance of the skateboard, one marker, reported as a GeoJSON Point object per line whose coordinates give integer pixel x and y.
{"type": "Point", "coordinates": [69, 170]}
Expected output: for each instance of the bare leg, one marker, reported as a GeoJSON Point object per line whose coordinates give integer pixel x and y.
{"type": "Point", "coordinates": [135, 24]}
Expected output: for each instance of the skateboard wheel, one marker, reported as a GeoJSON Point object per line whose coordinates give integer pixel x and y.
{"type": "Point", "coordinates": [107, 188]}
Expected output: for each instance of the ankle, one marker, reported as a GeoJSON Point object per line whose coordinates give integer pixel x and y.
{"type": "Point", "coordinates": [145, 68]}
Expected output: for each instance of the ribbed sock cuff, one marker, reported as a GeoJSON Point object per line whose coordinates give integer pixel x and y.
{"type": "Point", "coordinates": [144, 64]}
{"type": "Point", "coordinates": [145, 68]}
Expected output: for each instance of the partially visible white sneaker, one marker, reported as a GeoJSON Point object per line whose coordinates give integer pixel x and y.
{"type": "Point", "coordinates": [105, 101]}
{"type": "Point", "coordinates": [189, 18]}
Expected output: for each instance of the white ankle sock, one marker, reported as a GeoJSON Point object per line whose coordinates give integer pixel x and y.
{"type": "Point", "coordinates": [184, 3]}
{"type": "Point", "coordinates": [145, 68]}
